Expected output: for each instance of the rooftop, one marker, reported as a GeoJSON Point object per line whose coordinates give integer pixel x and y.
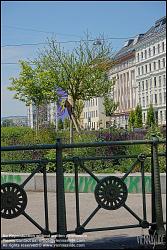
{"type": "Point", "coordinates": [129, 46]}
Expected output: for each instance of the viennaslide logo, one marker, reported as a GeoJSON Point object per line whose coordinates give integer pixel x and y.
{"type": "Point", "coordinates": [151, 239]}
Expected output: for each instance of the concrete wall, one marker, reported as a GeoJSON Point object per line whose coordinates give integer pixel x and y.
{"type": "Point", "coordinates": [86, 182]}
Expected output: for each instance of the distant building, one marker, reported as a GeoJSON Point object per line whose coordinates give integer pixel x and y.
{"type": "Point", "coordinates": [151, 71]}
{"type": "Point", "coordinates": [16, 120]}
{"type": "Point", "coordinates": [124, 90]}
{"type": "Point", "coordinates": [47, 115]}
{"type": "Point", "coordinates": [93, 115]}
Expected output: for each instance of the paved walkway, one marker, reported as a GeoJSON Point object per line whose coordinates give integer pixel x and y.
{"type": "Point", "coordinates": [113, 239]}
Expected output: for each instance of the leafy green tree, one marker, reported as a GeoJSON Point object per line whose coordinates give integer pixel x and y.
{"type": "Point", "coordinates": [66, 123]}
{"type": "Point", "coordinates": [81, 73]}
{"type": "Point", "coordinates": [78, 109]}
{"type": "Point", "coordinates": [131, 120]}
{"type": "Point", "coordinates": [150, 116]}
{"type": "Point", "coordinates": [154, 130]}
{"type": "Point", "coordinates": [60, 124]}
{"type": "Point", "coordinates": [7, 123]}
{"type": "Point", "coordinates": [138, 117]}
{"type": "Point", "coordinates": [35, 85]}
{"type": "Point", "coordinates": [110, 106]}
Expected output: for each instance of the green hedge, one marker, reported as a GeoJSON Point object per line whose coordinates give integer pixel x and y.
{"type": "Point", "coordinates": [27, 136]}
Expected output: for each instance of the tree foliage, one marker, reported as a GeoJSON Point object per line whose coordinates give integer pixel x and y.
{"type": "Point", "coordinates": [138, 117]}
{"type": "Point", "coordinates": [150, 116]}
{"type": "Point", "coordinates": [60, 124]}
{"type": "Point", "coordinates": [81, 73]}
{"type": "Point", "coordinates": [131, 120]}
{"type": "Point", "coordinates": [34, 86]}
{"type": "Point", "coordinates": [109, 105]}
{"type": "Point", "coordinates": [7, 123]}
{"type": "Point", "coordinates": [66, 123]}
{"type": "Point", "coordinates": [79, 105]}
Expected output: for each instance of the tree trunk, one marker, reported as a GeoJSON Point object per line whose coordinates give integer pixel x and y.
{"type": "Point", "coordinates": [70, 105]}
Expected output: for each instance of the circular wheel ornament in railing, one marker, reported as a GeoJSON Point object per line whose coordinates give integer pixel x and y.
{"type": "Point", "coordinates": [13, 200]}
{"type": "Point", "coordinates": [111, 193]}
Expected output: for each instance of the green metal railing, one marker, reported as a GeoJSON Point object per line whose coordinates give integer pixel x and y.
{"type": "Point", "coordinates": [110, 192]}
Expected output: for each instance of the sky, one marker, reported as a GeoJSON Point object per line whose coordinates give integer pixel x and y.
{"type": "Point", "coordinates": [29, 22]}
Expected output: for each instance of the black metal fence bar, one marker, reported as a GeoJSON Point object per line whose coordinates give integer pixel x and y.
{"type": "Point", "coordinates": [70, 159]}
{"type": "Point", "coordinates": [129, 170]}
{"type": "Point", "coordinates": [99, 144]}
{"type": "Point", "coordinates": [34, 222]}
{"type": "Point", "coordinates": [31, 175]}
{"type": "Point", "coordinates": [45, 199]}
{"type": "Point", "coordinates": [78, 145]}
{"type": "Point", "coordinates": [157, 224]}
{"type": "Point", "coordinates": [143, 192]}
{"type": "Point", "coordinates": [132, 212]}
{"type": "Point", "coordinates": [60, 194]}
{"type": "Point", "coordinates": [77, 192]}
{"type": "Point", "coordinates": [89, 172]}
{"type": "Point", "coordinates": [160, 230]}
{"type": "Point", "coordinates": [91, 216]}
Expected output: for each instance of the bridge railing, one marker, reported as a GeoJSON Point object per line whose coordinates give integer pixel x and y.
{"type": "Point", "coordinates": [110, 192]}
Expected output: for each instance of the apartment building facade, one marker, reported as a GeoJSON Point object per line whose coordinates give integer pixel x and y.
{"type": "Point", "coordinates": [93, 114]}
{"type": "Point", "coordinates": [124, 90]}
{"type": "Point", "coordinates": [151, 71]}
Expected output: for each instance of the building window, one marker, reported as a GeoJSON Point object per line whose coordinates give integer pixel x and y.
{"type": "Point", "coordinates": [143, 101]}
{"type": "Point", "coordinates": [138, 70]}
{"type": "Point", "coordinates": [155, 81]}
{"type": "Point", "coordinates": [147, 100]}
{"type": "Point", "coordinates": [150, 66]}
{"type": "Point", "coordinates": [159, 81]}
{"type": "Point", "coordinates": [160, 98]}
{"type": "Point", "coordinates": [146, 69]}
{"type": "Point", "coordinates": [153, 50]}
{"type": "Point", "coordinates": [161, 117]}
{"type": "Point", "coordinates": [158, 48]}
{"type": "Point", "coordinates": [164, 80]}
{"type": "Point", "coordinates": [145, 53]}
{"type": "Point", "coordinates": [163, 46]}
{"type": "Point", "coordinates": [138, 56]}
{"type": "Point", "coordinates": [144, 117]}
{"type": "Point", "coordinates": [139, 101]}
{"type": "Point", "coordinates": [155, 98]}
{"type": "Point", "coordinates": [150, 83]}
{"type": "Point", "coordinates": [142, 70]}
{"type": "Point", "coordinates": [163, 62]}
{"type": "Point", "coordinates": [142, 85]}
{"type": "Point", "coordinates": [96, 101]}
{"type": "Point", "coordinates": [151, 98]}
{"type": "Point", "coordinates": [139, 86]}
{"type": "Point", "coordinates": [149, 52]}
{"type": "Point", "coordinates": [146, 84]}
{"type": "Point", "coordinates": [159, 64]}
{"type": "Point", "coordinates": [141, 55]}
{"type": "Point", "coordinates": [96, 113]}
{"type": "Point", "coordinates": [154, 65]}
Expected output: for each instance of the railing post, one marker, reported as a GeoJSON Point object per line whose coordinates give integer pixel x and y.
{"type": "Point", "coordinates": [160, 230]}
{"type": "Point", "coordinates": [152, 230]}
{"type": "Point", "coordinates": [60, 195]}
